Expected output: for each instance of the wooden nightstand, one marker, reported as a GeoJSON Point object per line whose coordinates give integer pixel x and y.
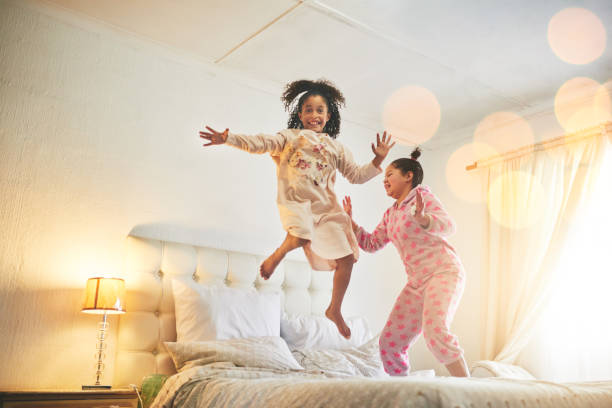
{"type": "Point", "coordinates": [114, 398]}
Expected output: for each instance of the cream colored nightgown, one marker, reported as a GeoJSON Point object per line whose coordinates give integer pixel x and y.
{"type": "Point", "coordinates": [306, 170]}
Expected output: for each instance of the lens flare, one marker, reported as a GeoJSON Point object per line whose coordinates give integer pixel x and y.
{"type": "Point", "coordinates": [581, 103]}
{"type": "Point", "coordinates": [603, 101]}
{"type": "Point", "coordinates": [504, 132]}
{"type": "Point", "coordinates": [411, 114]}
{"type": "Point", "coordinates": [467, 185]}
{"type": "Point", "coordinates": [576, 36]}
{"type": "Point", "coordinates": [516, 200]}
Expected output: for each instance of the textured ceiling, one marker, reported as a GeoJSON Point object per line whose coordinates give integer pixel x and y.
{"type": "Point", "coordinates": [476, 57]}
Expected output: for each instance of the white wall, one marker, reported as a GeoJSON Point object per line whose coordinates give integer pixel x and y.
{"type": "Point", "coordinates": [98, 139]}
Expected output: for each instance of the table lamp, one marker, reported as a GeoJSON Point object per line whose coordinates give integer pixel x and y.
{"type": "Point", "coordinates": [103, 296]}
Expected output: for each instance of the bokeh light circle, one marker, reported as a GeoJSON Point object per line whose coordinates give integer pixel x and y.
{"type": "Point", "coordinates": [467, 185]}
{"type": "Point", "coordinates": [411, 114]}
{"type": "Point", "coordinates": [581, 103]}
{"type": "Point", "coordinates": [576, 35]}
{"type": "Point", "coordinates": [504, 132]}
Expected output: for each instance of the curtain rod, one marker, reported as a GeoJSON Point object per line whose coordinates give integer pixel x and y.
{"type": "Point", "coordinates": [602, 128]}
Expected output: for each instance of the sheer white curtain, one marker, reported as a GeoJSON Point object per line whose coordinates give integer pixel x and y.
{"type": "Point", "coordinates": [573, 339]}
{"type": "Point", "coordinates": [534, 201]}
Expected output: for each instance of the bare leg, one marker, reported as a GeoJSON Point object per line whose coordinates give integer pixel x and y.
{"type": "Point", "coordinates": [458, 368]}
{"type": "Point", "coordinates": [290, 243]}
{"type": "Point", "coordinates": [342, 277]}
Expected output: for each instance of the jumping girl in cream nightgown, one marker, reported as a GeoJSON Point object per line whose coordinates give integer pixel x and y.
{"type": "Point", "coordinates": [307, 156]}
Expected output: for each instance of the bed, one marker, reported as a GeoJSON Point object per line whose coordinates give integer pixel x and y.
{"type": "Point", "coordinates": [239, 360]}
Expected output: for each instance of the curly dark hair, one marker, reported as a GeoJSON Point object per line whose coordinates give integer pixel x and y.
{"type": "Point", "coordinates": [405, 165]}
{"type": "Point", "coordinates": [322, 87]}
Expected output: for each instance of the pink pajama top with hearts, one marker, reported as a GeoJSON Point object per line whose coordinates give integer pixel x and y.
{"type": "Point", "coordinates": [424, 251]}
{"type": "Point", "coordinates": [435, 281]}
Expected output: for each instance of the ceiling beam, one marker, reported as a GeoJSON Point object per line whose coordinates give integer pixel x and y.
{"type": "Point", "coordinates": [283, 14]}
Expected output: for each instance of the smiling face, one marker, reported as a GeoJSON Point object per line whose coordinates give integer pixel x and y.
{"type": "Point", "coordinates": [314, 114]}
{"type": "Point", "coordinates": [397, 185]}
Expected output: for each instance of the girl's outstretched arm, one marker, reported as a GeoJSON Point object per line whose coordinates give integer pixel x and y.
{"type": "Point", "coordinates": [368, 242]}
{"type": "Point", "coordinates": [259, 143]}
{"type": "Point", "coordinates": [357, 174]}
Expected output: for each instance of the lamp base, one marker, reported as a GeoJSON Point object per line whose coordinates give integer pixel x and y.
{"type": "Point", "coordinates": [95, 387]}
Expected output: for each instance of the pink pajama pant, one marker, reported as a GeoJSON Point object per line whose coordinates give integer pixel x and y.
{"type": "Point", "coordinates": [428, 308]}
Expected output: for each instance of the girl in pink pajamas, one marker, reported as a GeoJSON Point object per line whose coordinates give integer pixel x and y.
{"type": "Point", "coordinates": [417, 225]}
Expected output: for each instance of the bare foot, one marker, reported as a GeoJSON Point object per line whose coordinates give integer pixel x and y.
{"type": "Point", "coordinates": [337, 318]}
{"type": "Point", "coordinates": [269, 265]}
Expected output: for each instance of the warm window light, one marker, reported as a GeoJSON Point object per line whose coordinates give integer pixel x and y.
{"type": "Point", "coordinates": [103, 296]}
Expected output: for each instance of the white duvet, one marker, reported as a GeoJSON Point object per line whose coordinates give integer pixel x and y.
{"type": "Point", "coordinates": [263, 373]}
{"type": "Point", "coordinates": [225, 385]}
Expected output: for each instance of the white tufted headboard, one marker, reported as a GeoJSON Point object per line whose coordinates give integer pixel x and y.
{"type": "Point", "coordinates": [149, 320]}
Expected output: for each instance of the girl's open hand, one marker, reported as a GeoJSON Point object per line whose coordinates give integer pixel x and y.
{"type": "Point", "coordinates": [382, 145]}
{"type": "Point", "coordinates": [419, 211]}
{"type": "Point", "coordinates": [381, 149]}
{"type": "Point", "coordinates": [214, 137]}
{"type": "Point", "coordinates": [348, 207]}
{"type": "Point", "coordinates": [419, 207]}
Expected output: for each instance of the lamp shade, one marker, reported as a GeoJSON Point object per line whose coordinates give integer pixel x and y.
{"type": "Point", "coordinates": [104, 295]}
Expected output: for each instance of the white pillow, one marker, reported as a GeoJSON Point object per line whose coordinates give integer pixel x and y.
{"type": "Point", "coordinates": [262, 352]}
{"type": "Point", "coordinates": [318, 332]}
{"type": "Point", "coordinates": [212, 313]}
{"type": "Point", "coordinates": [488, 368]}
{"type": "Point", "coordinates": [363, 360]}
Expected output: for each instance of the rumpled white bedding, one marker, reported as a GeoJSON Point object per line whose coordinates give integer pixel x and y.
{"type": "Point", "coordinates": [223, 385]}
